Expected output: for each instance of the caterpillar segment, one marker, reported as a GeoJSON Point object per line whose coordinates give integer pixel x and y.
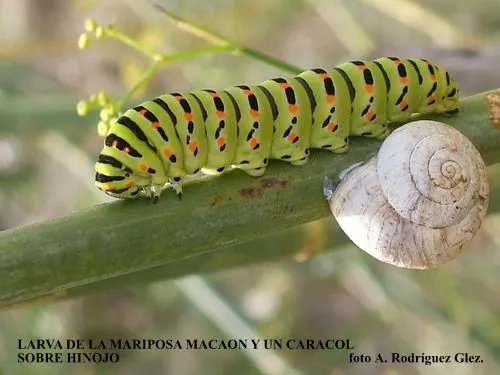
{"type": "Point", "coordinates": [330, 125]}
{"type": "Point", "coordinates": [160, 141]}
{"type": "Point", "coordinates": [254, 128]}
{"type": "Point", "coordinates": [219, 117]}
{"type": "Point", "coordinates": [402, 97]}
{"type": "Point", "coordinates": [369, 102]}
{"type": "Point", "coordinates": [292, 124]}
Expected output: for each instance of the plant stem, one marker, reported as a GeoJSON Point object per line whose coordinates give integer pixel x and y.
{"type": "Point", "coordinates": [163, 59]}
{"type": "Point", "coordinates": [218, 39]}
{"type": "Point", "coordinates": [146, 76]}
{"type": "Point", "coordinates": [128, 40]}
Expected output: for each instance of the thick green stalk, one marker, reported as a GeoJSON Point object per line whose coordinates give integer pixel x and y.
{"type": "Point", "coordinates": [218, 224]}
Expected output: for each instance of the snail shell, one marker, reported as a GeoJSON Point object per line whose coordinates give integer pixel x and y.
{"type": "Point", "coordinates": [419, 201]}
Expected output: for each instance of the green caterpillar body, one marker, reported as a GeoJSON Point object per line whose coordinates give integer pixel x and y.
{"type": "Point", "coordinates": [174, 135]}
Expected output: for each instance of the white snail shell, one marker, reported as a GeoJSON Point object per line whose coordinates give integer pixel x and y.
{"type": "Point", "coordinates": [419, 201]}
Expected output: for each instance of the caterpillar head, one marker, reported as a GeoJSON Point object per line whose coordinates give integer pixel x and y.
{"type": "Point", "coordinates": [116, 180]}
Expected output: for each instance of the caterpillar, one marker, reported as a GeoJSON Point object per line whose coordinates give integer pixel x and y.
{"type": "Point", "coordinates": [160, 141]}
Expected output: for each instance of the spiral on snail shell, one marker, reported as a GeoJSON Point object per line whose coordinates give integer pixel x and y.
{"type": "Point", "coordinates": [418, 201]}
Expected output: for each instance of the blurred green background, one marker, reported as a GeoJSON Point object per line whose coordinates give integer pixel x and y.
{"type": "Point", "coordinates": [46, 170]}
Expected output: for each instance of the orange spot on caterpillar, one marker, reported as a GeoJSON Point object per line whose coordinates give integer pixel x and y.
{"type": "Point", "coordinates": [126, 150]}
{"type": "Point", "coordinates": [324, 75]}
{"type": "Point", "coordinates": [219, 114]}
{"type": "Point", "coordinates": [247, 92]}
{"type": "Point", "coordinates": [362, 67]}
{"type": "Point", "coordinates": [291, 137]}
{"type": "Point", "coordinates": [403, 104]}
{"type": "Point", "coordinates": [331, 126]}
{"type": "Point", "coordinates": [143, 111]}
{"type": "Point", "coordinates": [129, 184]}
{"type": "Point", "coordinates": [179, 98]}
{"type": "Point", "coordinates": [292, 108]}
{"type": "Point", "coordinates": [369, 88]}
{"type": "Point", "coordinates": [370, 115]}
{"type": "Point", "coordinates": [213, 94]}
{"type": "Point", "coordinates": [330, 99]}
{"type": "Point", "coordinates": [143, 167]}
{"type": "Point", "coordinates": [106, 187]}
{"type": "Point", "coordinates": [192, 146]}
{"type": "Point", "coordinates": [431, 99]}
{"type": "Point", "coordinates": [433, 77]}
{"type": "Point", "coordinates": [284, 85]}
{"type": "Point", "coordinates": [403, 80]}
{"type": "Point", "coordinates": [155, 125]}
{"type": "Point", "coordinates": [252, 142]}
{"type": "Point", "coordinates": [254, 113]}
{"type": "Point", "coordinates": [115, 143]}
{"type": "Point", "coordinates": [188, 116]}
{"type": "Point", "coordinates": [397, 62]}
{"type": "Point", "coordinates": [220, 141]}
{"type": "Point", "coordinates": [167, 151]}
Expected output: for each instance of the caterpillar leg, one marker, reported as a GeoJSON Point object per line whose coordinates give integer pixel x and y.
{"type": "Point", "coordinates": [343, 148]}
{"type": "Point", "coordinates": [176, 184]}
{"type": "Point", "coordinates": [301, 161]}
{"type": "Point", "coordinates": [384, 134]}
{"type": "Point", "coordinates": [213, 171]}
{"type": "Point", "coordinates": [336, 149]}
{"type": "Point", "coordinates": [255, 172]}
{"type": "Point", "coordinates": [152, 192]}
